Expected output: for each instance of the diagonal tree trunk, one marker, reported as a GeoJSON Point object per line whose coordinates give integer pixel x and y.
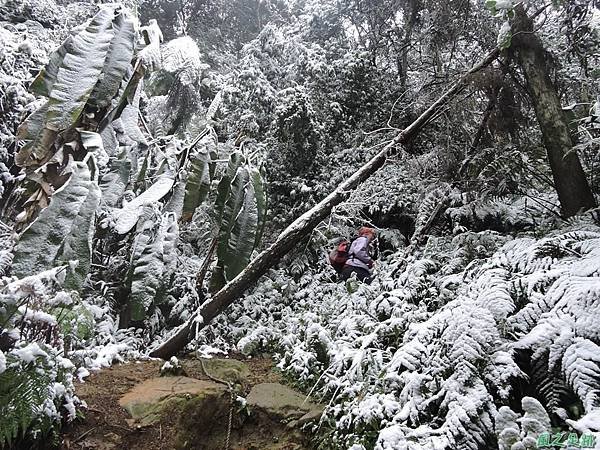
{"type": "Point", "coordinates": [304, 225]}
{"type": "Point", "coordinates": [571, 185]}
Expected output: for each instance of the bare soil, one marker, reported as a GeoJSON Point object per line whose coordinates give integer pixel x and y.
{"type": "Point", "coordinates": [105, 423]}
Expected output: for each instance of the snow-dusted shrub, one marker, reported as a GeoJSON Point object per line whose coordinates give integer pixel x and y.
{"type": "Point", "coordinates": [430, 354]}
{"type": "Point", "coordinates": [36, 393]}
{"type": "Point", "coordinates": [174, 88]}
{"type": "Point", "coordinates": [36, 381]}
{"type": "Point", "coordinates": [521, 432]}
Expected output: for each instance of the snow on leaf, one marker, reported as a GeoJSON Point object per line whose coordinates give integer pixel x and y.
{"type": "Point", "coordinates": [79, 71]}
{"type": "Point", "coordinates": [588, 423]}
{"type": "Point", "coordinates": [92, 142]}
{"type": "Point", "coordinates": [257, 178]}
{"type": "Point", "coordinates": [581, 364]}
{"type": "Point", "coordinates": [198, 180]}
{"type": "Point", "coordinates": [38, 138]}
{"type": "Point", "coordinates": [117, 61]}
{"type": "Point", "coordinates": [62, 231]}
{"type": "Point", "coordinates": [505, 35]}
{"type": "Point", "coordinates": [130, 120]}
{"type": "Point", "coordinates": [113, 183]}
{"type": "Point", "coordinates": [182, 56]}
{"type": "Point", "coordinates": [150, 258]}
{"type": "Point", "coordinates": [127, 217]}
{"type": "Point", "coordinates": [150, 56]}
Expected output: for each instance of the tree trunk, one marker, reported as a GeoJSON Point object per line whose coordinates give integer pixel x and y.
{"type": "Point", "coordinates": [304, 225]}
{"type": "Point", "coordinates": [204, 268]}
{"type": "Point", "coordinates": [411, 11]}
{"type": "Point", "coordinates": [572, 187]}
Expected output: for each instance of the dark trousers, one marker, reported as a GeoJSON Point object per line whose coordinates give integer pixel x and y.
{"type": "Point", "coordinates": [361, 274]}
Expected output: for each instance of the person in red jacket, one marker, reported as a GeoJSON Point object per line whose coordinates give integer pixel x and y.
{"type": "Point", "coordinates": [359, 261]}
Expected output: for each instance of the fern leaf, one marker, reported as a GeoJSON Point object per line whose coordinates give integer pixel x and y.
{"type": "Point", "coordinates": [581, 366]}
{"type": "Point", "coordinates": [181, 56]}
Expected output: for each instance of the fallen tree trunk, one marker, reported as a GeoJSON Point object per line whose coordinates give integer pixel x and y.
{"type": "Point", "coordinates": [305, 224]}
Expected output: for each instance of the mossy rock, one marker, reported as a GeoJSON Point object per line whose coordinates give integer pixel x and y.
{"type": "Point", "coordinates": [283, 403]}
{"type": "Point", "coordinates": [146, 414]}
{"type": "Point", "coordinates": [228, 370]}
{"type": "Point", "coordinates": [148, 401]}
{"type": "Point", "coordinates": [196, 413]}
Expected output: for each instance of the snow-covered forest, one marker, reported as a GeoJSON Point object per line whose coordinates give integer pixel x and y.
{"type": "Point", "coordinates": [175, 173]}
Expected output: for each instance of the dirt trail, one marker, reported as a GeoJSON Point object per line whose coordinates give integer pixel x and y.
{"type": "Point", "coordinates": [108, 426]}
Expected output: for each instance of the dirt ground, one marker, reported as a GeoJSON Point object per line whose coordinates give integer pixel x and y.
{"type": "Point", "coordinates": [105, 427]}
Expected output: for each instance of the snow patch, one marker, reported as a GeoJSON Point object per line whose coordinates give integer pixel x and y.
{"type": "Point", "coordinates": [29, 353]}
{"type": "Point", "coordinates": [207, 351]}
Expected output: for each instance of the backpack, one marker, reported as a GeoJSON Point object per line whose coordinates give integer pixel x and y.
{"type": "Point", "coordinates": [339, 255]}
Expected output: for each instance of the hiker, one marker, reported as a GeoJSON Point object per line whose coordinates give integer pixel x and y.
{"type": "Point", "coordinates": [359, 261]}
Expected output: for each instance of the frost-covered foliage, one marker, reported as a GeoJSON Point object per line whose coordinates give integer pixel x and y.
{"type": "Point", "coordinates": [92, 170]}
{"type": "Point", "coordinates": [28, 32]}
{"type": "Point", "coordinates": [434, 353]}
{"type": "Point", "coordinates": [174, 90]}
{"type": "Point", "coordinates": [36, 380]}
{"type": "Point", "coordinates": [136, 188]}
{"type": "Point", "coordinates": [88, 177]}
{"type": "Point", "coordinates": [120, 215]}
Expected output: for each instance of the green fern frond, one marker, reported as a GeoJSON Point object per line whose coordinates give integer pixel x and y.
{"type": "Point", "coordinates": [22, 396]}
{"type": "Point", "coordinates": [548, 383]}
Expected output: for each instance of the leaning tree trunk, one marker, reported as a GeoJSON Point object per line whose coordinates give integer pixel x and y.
{"type": "Point", "coordinates": [304, 225]}
{"type": "Point", "coordinates": [573, 190]}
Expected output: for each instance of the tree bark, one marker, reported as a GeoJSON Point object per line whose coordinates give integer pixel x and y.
{"type": "Point", "coordinates": [411, 11]}
{"type": "Point", "coordinates": [204, 268]}
{"type": "Point", "coordinates": [573, 190]}
{"type": "Point", "coordinates": [304, 225]}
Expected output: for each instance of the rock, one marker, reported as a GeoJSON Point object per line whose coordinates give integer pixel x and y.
{"type": "Point", "coordinates": [146, 400]}
{"type": "Point", "coordinates": [202, 423]}
{"type": "Point", "coordinates": [197, 410]}
{"type": "Point", "coordinates": [283, 403]}
{"type": "Point", "coordinates": [311, 416]}
{"type": "Point", "coordinates": [109, 441]}
{"type": "Point", "coordinates": [226, 369]}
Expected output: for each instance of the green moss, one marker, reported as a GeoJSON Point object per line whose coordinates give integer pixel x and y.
{"type": "Point", "coordinates": [168, 408]}
{"type": "Point", "coordinates": [227, 369]}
